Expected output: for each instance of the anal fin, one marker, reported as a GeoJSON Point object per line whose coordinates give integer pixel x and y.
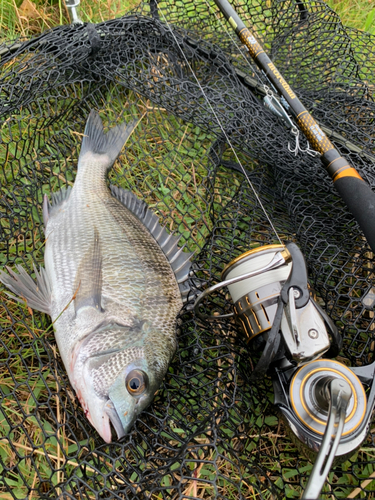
{"type": "Point", "coordinates": [89, 278]}
{"type": "Point", "coordinates": [35, 294]}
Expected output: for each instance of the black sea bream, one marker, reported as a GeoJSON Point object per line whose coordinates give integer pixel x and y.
{"type": "Point", "coordinates": [113, 284]}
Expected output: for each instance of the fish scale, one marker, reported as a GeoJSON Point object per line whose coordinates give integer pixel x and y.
{"type": "Point", "coordinates": [129, 244]}
{"type": "Point", "coordinates": [134, 291]}
{"type": "Point", "coordinates": [113, 285]}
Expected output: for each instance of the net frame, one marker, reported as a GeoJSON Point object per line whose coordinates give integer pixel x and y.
{"type": "Point", "coordinates": [209, 431]}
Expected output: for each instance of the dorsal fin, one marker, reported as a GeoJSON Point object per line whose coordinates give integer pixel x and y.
{"type": "Point", "coordinates": [178, 259]}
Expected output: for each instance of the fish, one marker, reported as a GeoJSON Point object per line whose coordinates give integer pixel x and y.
{"type": "Point", "coordinates": [113, 283]}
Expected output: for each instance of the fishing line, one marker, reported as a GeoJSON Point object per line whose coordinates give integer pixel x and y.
{"type": "Point", "coordinates": [270, 93]}
{"type": "Point", "coordinates": [229, 33]}
{"type": "Point", "coordinates": [220, 125]}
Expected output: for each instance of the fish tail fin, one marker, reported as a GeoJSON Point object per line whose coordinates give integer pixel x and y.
{"type": "Point", "coordinates": [110, 143]}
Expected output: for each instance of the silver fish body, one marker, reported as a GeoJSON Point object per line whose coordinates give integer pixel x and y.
{"type": "Point", "coordinates": [112, 285]}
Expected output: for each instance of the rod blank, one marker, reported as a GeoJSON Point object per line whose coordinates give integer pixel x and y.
{"type": "Point", "coordinates": [357, 195]}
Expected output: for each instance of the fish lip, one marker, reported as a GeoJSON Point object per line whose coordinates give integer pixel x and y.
{"type": "Point", "coordinates": [105, 430]}
{"type": "Point", "coordinates": [115, 419]}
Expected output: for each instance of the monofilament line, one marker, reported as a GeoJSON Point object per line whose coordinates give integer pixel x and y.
{"type": "Point", "coordinates": [233, 39]}
{"type": "Point", "coordinates": [220, 125]}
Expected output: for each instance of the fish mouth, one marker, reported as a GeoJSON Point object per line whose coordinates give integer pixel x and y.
{"type": "Point", "coordinates": [112, 414]}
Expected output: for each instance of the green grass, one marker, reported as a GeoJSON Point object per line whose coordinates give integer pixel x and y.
{"type": "Point", "coordinates": [358, 14]}
{"type": "Point", "coordinates": [178, 185]}
{"type": "Point", "coordinates": [25, 17]}
{"type": "Point", "coordinates": [18, 19]}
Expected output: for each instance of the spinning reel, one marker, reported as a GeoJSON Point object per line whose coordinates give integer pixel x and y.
{"type": "Point", "coordinates": [322, 401]}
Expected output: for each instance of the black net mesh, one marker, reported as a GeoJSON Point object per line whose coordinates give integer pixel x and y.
{"type": "Point", "coordinates": [209, 433]}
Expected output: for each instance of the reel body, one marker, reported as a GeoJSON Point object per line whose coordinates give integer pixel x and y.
{"type": "Point", "coordinates": [256, 299]}
{"type": "Point", "coordinates": [322, 401]}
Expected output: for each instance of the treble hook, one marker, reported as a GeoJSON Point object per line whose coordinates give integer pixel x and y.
{"type": "Point", "coordinates": [297, 149]}
{"type": "Point", "coordinates": [277, 109]}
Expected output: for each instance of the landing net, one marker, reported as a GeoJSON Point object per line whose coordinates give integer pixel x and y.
{"type": "Point", "coordinates": [209, 433]}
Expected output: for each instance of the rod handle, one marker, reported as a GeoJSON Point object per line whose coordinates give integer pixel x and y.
{"type": "Point", "coordinates": [360, 200]}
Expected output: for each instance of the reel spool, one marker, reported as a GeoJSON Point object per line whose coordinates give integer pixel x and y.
{"type": "Point", "coordinates": [326, 412]}
{"type": "Point", "coordinates": [322, 401]}
{"type": "Point", "coordinates": [310, 405]}
{"type": "Point", "coordinates": [255, 298]}
{"type": "Point", "coordinates": [302, 399]}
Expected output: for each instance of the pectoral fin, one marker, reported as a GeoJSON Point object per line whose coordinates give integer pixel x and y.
{"type": "Point", "coordinates": [89, 279]}
{"type": "Point", "coordinates": [36, 295]}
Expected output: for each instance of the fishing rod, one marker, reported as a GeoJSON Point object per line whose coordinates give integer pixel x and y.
{"type": "Point", "coordinates": [354, 191]}
{"type": "Point", "coordinates": [323, 402]}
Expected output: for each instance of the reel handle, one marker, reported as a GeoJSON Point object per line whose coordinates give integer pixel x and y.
{"type": "Point", "coordinates": [338, 393]}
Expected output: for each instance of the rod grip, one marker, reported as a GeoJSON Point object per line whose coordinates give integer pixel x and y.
{"type": "Point", "coordinates": [360, 200]}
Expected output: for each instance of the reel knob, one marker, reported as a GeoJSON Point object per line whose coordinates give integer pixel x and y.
{"type": "Point", "coordinates": [310, 403]}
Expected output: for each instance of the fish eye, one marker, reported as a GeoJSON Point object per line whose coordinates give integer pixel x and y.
{"type": "Point", "coordinates": [136, 382]}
